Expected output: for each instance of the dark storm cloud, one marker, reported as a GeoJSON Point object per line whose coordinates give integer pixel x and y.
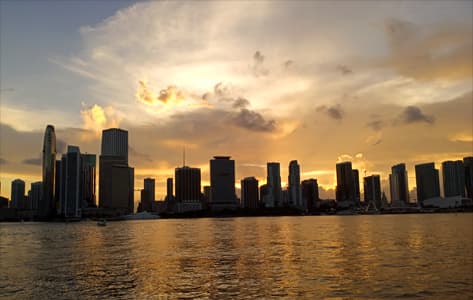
{"type": "Point", "coordinates": [253, 121]}
{"type": "Point", "coordinates": [413, 114]}
{"type": "Point", "coordinates": [32, 161]}
{"type": "Point", "coordinates": [335, 112]}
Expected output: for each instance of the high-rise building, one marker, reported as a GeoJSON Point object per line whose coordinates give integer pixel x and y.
{"type": "Point", "coordinates": [47, 206]}
{"type": "Point", "coordinates": [116, 177]}
{"type": "Point", "coordinates": [398, 182]}
{"type": "Point", "coordinates": [57, 186]}
{"type": "Point", "coordinates": [356, 179]}
{"type": "Point", "coordinates": [294, 188]}
{"type": "Point", "coordinates": [468, 167]}
{"type": "Point", "coordinates": [169, 190]}
{"type": "Point", "coordinates": [273, 197]}
{"type": "Point", "coordinates": [88, 180]}
{"type": "Point", "coordinates": [427, 182]}
{"type": "Point", "coordinates": [147, 194]}
{"type": "Point", "coordinates": [149, 185]}
{"type": "Point", "coordinates": [310, 192]}
{"type": "Point", "coordinates": [372, 190]}
{"type": "Point", "coordinates": [222, 183]}
{"type": "Point", "coordinates": [17, 194]}
{"type": "Point", "coordinates": [115, 143]}
{"type": "Point", "coordinates": [35, 195]}
{"type": "Point", "coordinates": [264, 196]}
{"type": "Point", "coordinates": [345, 190]}
{"type": "Point", "coordinates": [453, 177]}
{"type": "Point", "coordinates": [61, 180]}
{"type": "Point", "coordinates": [187, 184]}
{"type": "Point", "coordinates": [73, 183]}
{"type": "Point", "coordinates": [249, 192]}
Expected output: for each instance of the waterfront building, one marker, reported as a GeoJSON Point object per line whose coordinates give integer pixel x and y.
{"type": "Point", "coordinates": [264, 196]}
{"type": "Point", "coordinates": [222, 183]}
{"type": "Point", "coordinates": [17, 194]}
{"type": "Point", "coordinates": [398, 182]}
{"type": "Point", "coordinates": [35, 194]}
{"type": "Point", "coordinates": [273, 197]}
{"type": "Point", "coordinates": [294, 187]}
{"type": "Point", "coordinates": [356, 179]}
{"type": "Point", "coordinates": [169, 189]}
{"type": "Point", "coordinates": [47, 206]}
{"type": "Point", "coordinates": [468, 167]}
{"type": "Point", "coordinates": [453, 177]}
{"type": "Point", "coordinates": [249, 193]}
{"type": "Point", "coordinates": [345, 190]}
{"type": "Point", "coordinates": [73, 183]}
{"type": "Point", "coordinates": [372, 190]}
{"type": "Point", "coordinates": [116, 177]}
{"type": "Point", "coordinates": [427, 182]}
{"type": "Point", "coordinates": [310, 193]}
{"type": "Point", "coordinates": [88, 180]}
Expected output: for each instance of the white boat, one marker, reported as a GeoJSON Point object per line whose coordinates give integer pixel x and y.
{"type": "Point", "coordinates": [144, 215]}
{"type": "Point", "coordinates": [102, 222]}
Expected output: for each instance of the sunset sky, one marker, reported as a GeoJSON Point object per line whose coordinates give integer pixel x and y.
{"type": "Point", "coordinates": [376, 83]}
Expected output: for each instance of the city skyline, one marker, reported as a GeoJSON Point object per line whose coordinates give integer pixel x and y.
{"type": "Point", "coordinates": [332, 99]}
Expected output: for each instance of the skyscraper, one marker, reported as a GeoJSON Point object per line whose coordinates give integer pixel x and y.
{"type": "Point", "coordinates": [222, 183]}
{"type": "Point", "coordinates": [147, 194]}
{"type": "Point", "coordinates": [345, 190]}
{"type": "Point", "coordinates": [57, 186]}
{"type": "Point", "coordinates": [187, 184]}
{"type": "Point", "coordinates": [17, 194]}
{"type": "Point", "coordinates": [88, 180]}
{"type": "Point", "coordinates": [149, 185]}
{"type": "Point", "coordinates": [372, 190]}
{"type": "Point", "coordinates": [169, 189]}
{"type": "Point", "coordinates": [116, 178]}
{"type": "Point", "coordinates": [453, 175]}
{"type": "Point", "coordinates": [468, 167]}
{"type": "Point", "coordinates": [398, 183]}
{"type": "Point", "coordinates": [427, 181]}
{"type": "Point", "coordinates": [356, 179]}
{"type": "Point", "coordinates": [73, 183]}
{"type": "Point", "coordinates": [35, 195]}
{"type": "Point", "coordinates": [310, 192]}
{"type": "Point", "coordinates": [294, 188]}
{"type": "Point", "coordinates": [250, 192]}
{"type": "Point", "coordinates": [47, 205]}
{"type": "Point", "coordinates": [273, 197]}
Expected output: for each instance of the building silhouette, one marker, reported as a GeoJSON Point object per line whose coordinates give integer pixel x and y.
{"type": "Point", "coordinates": [249, 193]}
{"type": "Point", "coordinates": [57, 186]}
{"type": "Point", "coordinates": [372, 190]}
{"type": "Point", "coordinates": [47, 206]}
{"type": "Point", "coordinates": [468, 167]}
{"type": "Point", "coordinates": [453, 177]}
{"type": "Point", "coordinates": [88, 180]}
{"type": "Point", "coordinates": [294, 187]}
{"type": "Point", "coordinates": [398, 182]}
{"type": "Point", "coordinates": [273, 197]}
{"type": "Point", "coordinates": [427, 182]}
{"type": "Point", "coordinates": [345, 191]}
{"type": "Point", "coordinates": [188, 189]}
{"type": "Point", "coordinates": [73, 185]}
{"type": "Point", "coordinates": [222, 183]}
{"type": "Point", "coordinates": [310, 193]}
{"type": "Point", "coordinates": [35, 194]}
{"type": "Point", "coordinates": [169, 189]}
{"type": "Point", "coordinates": [116, 177]}
{"type": "Point", "coordinates": [17, 194]}
{"type": "Point", "coordinates": [147, 195]}
{"type": "Point", "coordinates": [356, 179]}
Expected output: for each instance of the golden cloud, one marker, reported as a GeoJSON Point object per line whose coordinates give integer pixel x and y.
{"type": "Point", "coordinates": [97, 118]}
{"type": "Point", "coordinates": [171, 94]}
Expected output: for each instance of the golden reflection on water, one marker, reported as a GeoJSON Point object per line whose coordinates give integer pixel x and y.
{"type": "Point", "coordinates": [294, 257]}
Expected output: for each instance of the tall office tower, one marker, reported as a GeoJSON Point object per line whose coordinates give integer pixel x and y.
{"type": "Point", "coordinates": [372, 190]}
{"type": "Point", "coordinates": [115, 143]}
{"type": "Point", "coordinates": [294, 188]}
{"type": "Point", "coordinates": [427, 181]}
{"type": "Point", "coordinates": [468, 166]}
{"type": "Point", "coordinates": [57, 186]}
{"type": "Point", "coordinates": [149, 185]}
{"type": "Point", "coordinates": [222, 183]}
{"type": "Point", "coordinates": [116, 177]}
{"type": "Point", "coordinates": [249, 192]}
{"type": "Point", "coordinates": [345, 190]}
{"type": "Point", "coordinates": [356, 179]}
{"type": "Point", "coordinates": [453, 175]}
{"type": "Point", "coordinates": [310, 193]}
{"type": "Point", "coordinates": [73, 183]}
{"type": "Point", "coordinates": [187, 184]}
{"type": "Point", "coordinates": [147, 194]}
{"type": "Point", "coordinates": [274, 195]}
{"type": "Point", "coordinates": [17, 194]}
{"type": "Point", "coordinates": [88, 180]}
{"type": "Point", "coordinates": [398, 183]}
{"type": "Point", "coordinates": [264, 196]}
{"type": "Point", "coordinates": [169, 189]}
{"type": "Point", "coordinates": [47, 206]}
{"type": "Point", "coordinates": [61, 180]}
{"type": "Point", "coordinates": [35, 195]}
